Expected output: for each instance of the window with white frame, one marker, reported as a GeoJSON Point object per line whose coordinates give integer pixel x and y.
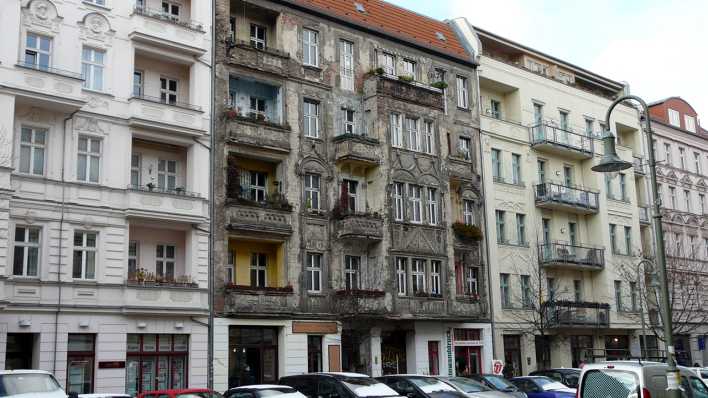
{"type": "Point", "coordinates": [413, 134]}
{"type": "Point", "coordinates": [414, 195]}
{"type": "Point", "coordinates": [170, 10]}
{"type": "Point", "coordinates": [38, 51]}
{"type": "Point", "coordinates": [259, 269]}
{"type": "Point", "coordinates": [92, 61]}
{"type": "Point", "coordinates": [312, 191]}
{"type": "Point", "coordinates": [471, 280]}
{"type": "Point", "coordinates": [526, 291]}
{"type": "Point", "coordinates": [687, 199]}
{"type": "Point", "coordinates": [674, 118]}
{"type": "Point", "coordinates": [88, 159]}
{"type": "Point", "coordinates": [496, 164]}
{"type": "Point", "coordinates": [520, 229]}
{"type": "Point", "coordinates": [347, 121]}
{"type": "Point", "coordinates": [135, 162]}
{"type": "Point", "coordinates": [505, 290]}
{"type": "Point", "coordinates": [168, 91]}
{"type": "Point", "coordinates": [428, 137]}
{"type": "Point", "coordinates": [351, 188]}
{"type": "Point", "coordinates": [26, 258]}
{"type": "Point", "coordinates": [346, 62]}
{"type": "Point", "coordinates": [435, 277]}
{"type": "Point", "coordinates": [682, 157]}
{"type": "Point", "coordinates": [667, 154]}
{"type": "Point", "coordinates": [257, 107]}
{"type": "Point", "coordinates": [313, 270]}
{"type": "Point", "coordinates": [311, 118]}
{"type": "Point", "coordinates": [398, 202]}
{"type": "Point", "coordinates": [409, 68]}
{"type": "Point", "coordinates": [138, 83]}
{"type": "Point", "coordinates": [229, 269]}
{"type": "Point", "coordinates": [133, 256]}
{"type": "Point", "coordinates": [256, 185]}
{"type": "Point", "coordinates": [388, 63]}
{"type": "Point", "coordinates": [462, 92]}
{"type": "Point", "coordinates": [258, 36]}
{"type": "Point", "coordinates": [589, 127]}
{"type": "Point", "coordinates": [166, 174]}
{"type": "Point", "coordinates": [432, 204]}
{"type": "Point", "coordinates": [697, 162]}
{"type": "Point", "coordinates": [468, 211]}
{"type": "Point", "coordinates": [464, 145]}
{"type": "Point", "coordinates": [165, 261]}
{"type": "Point", "coordinates": [401, 275]}
{"type": "Point", "coordinates": [690, 123]}
{"type": "Point", "coordinates": [418, 276]}
{"type": "Point", "coordinates": [501, 233]}
{"type": "Point", "coordinates": [702, 203]}
{"type": "Point", "coordinates": [515, 168]}
{"type": "Point", "coordinates": [32, 150]}
{"type": "Point", "coordinates": [310, 47]}
{"type": "Point", "coordinates": [84, 266]}
{"type": "Point", "coordinates": [396, 131]}
{"type": "Point", "coordinates": [352, 265]}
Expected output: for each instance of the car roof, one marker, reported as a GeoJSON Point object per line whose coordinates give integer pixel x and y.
{"type": "Point", "coordinates": [259, 387]}
{"type": "Point", "coordinates": [330, 374]}
{"type": "Point", "coordinates": [177, 391]}
{"type": "Point", "coordinates": [411, 375]}
{"type": "Point", "coordinates": [24, 371]}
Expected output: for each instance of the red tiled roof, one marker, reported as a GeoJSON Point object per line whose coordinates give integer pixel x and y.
{"type": "Point", "coordinates": [394, 21]}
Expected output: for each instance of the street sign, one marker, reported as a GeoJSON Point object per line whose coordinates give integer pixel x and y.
{"type": "Point", "coordinates": [497, 367]}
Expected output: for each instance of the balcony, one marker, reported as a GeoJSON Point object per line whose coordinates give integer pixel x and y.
{"type": "Point", "coordinates": [563, 255]}
{"type": "Point", "coordinates": [462, 169]}
{"type": "Point", "coordinates": [45, 86]}
{"type": "Point", "coordinates": [167, 204]}
{"type": "Point", "coordinates": [413, 92]}
{"type": "Point", "coordinates": [566, 198]}
{"type": "Point", "coordinates": [357, 150]}
{"type": "Point", "coordinates": [359, 226]}
{"type": "Point", "coordinates": [639, 166]}
{"type": "Point", "coordinates": [264, 59]}
{"type": "Point", "coordinates": [644, 217]}
{"type": "Point", "coordinates": [171, 117]}
{"type": "Point", "coordinates": [548, 138]}
{"type": "Point", "coordinates": [178, 34]}
{"type": "Point", "coordinates": [245, 299]}
{"type": "Point", "coordinates": [573, 314]}
{"type": "Point", "coordinates": [272, 218]}
{"type": "Point", "coordinates": [360, 302]}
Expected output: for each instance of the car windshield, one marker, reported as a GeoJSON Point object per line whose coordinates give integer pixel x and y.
{"type": "Point", "coordinates": [367, 387]}
{"type": "Point", "coordinates": [430, 384]}
{"type": "Point", "coordinates": [500, 383]}
{"type": "Point", "coordinates": [27, 383]}
{"type": "Point", "coordinates": [608, 383]}
{"type": "Point", "coordinates": [468, 385]}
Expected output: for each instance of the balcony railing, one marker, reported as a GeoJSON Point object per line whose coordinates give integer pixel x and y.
{"type": "Point", "coordinates": [246, 197]}
{"type": "Point", "coordinates": [554, 195]}
{"type": "Point", "coordinates": [547, 135]}
{"type": "Point", "coordinates": [411, 91]}
{"type": "Point", "coordinates": [162, 16]}
{"type": "Point", "coordinates": [564, 254]}
{"type": "Point", "coordinates": [49, 69]}
{"type": "Point", "coordinates": [171, 191]}
{"type": "Point", "coordinates": [577, 314]}
{"type": "Point", "coordinates": [360, 226]}
{"type": "Point", "coordinates": [357, 149]}
{"type": "Point", "coordinates": [644, 214]}
{"type": "Point", "coordinates": [639, 166]}
{"type": "Point", "coordinates": [158, 100]}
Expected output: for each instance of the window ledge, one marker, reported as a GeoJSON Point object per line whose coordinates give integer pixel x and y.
{"type": "Point", "coordinates": [98, 6]}
{"type": "Point", "coordinates": [312, 67]}
{"type": "Point", "coordinates": [98, 92]}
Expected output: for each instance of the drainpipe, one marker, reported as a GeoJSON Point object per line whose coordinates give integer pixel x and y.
{"type": "Point", "coordinates": [212, 169]}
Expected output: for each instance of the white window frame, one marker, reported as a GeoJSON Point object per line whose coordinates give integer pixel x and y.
{"type": "Point", "coordinates": [93, 69]}
{"type": "Point", "coordinates": [432, 202]}
{"type": "Point", "coordinates": [435, 277]}
{"type": "Point", "coordinates": [167, 95]}
{"type": "Point", "coordinates": [352, 272]}
{"type": "Point", "coordinates": [163, 262]}
{"type": "Point", "coordinates": [27, 245]}
{"type": "Point", "coordinates": [471, 282]}
{"type": "Point", "coordinates": [348, 117]}
{"type": "Point", "coordinates": [133, 256]}
{"type": "Point", "coordinates": [682, 157]}
{"type": "Point", "coordinates": [667, 154]}
{"type": "Point", "coordinates": [312, 191]}
{"type": "Point", "coordinates": [418, 282]}
{"type": "Point", "coordinates": [346, 60]}
{"type": "Point", "coordinates": [169, 12]}
{"type": "Point", "coordinates": [89, 154]}
{"type": "Point", "coordinates": [690, 123]}
{"type": "Point", "coordinates": [37, 51]}
{"type": "Point", "coordinates": [259, 268]}
{"type": "Point", "coordinates": [496, 164]}
{"type": "Point", "coordinates": [255, 190]}
{"type": "Point", "coordinates": [464, 144]}
{"type": "Point", "coordinates": [520, 229]}
{"type": "Point", "coordinates": [352, 196]}
{"type": "Point", "coordinates": [36, 150]}
{"type": "Point", "coordinates": [230, 263]}
{"type": "Point", "coordinates": [167, 179]}
{"type": "Point", "coordinates": [415, 197]}
{"type": "Point", "coordinates": [500, 217]}
{"type": "Point", "coordinates": [313, 269]}
{"type": "Point", "coordinates": [462, 92]}
{"type": "Point", "coordinates": [402, 275]}
{"type": "Point", "coordinates": [85, 251]}
{"type": "Point", "coordinates": [399, 208]}
{"type": "Point", "coordinates": [311, 118]}
{"type": "Point", "coordinates": [428, 137]}
{"type": "Point", "coordinates": [504, 290]}
{"type": "Point", "coordinates": [136, 161]}
{"type": "Point", "coordinates": [396, 130]}
{"type": "Point", "coordinates": [256, 106]}
{"type": "Point", "coordinates": [388, 63]}
{"type": "Point", "coordinates": [468, 212]}
{"type": "Point", "coordinates": [687, 199]}
{"type": "Point", "coordinates": [140, 85]}
{"type": "Point", "coordinates": [310, 47]}
{"type": "Point", "coordinates": [254, 32]}
{"type": "Point", "coordinates": [674, 117]}
{"type": "Point", "coordinates": [697, 162]}
{"type": "Point", "coordinates": [516, 168]}
{"type": "Point", "coordinates": [410, 68]}
{"type": "Point", "coordinates": [413, 130]}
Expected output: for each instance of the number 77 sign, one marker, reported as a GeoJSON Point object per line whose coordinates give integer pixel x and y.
{"type": "Point", "coordinates": [497, 367]}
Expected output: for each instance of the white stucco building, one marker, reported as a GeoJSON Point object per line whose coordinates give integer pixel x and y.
{"type": "Point", "coordinates": [104, 124]}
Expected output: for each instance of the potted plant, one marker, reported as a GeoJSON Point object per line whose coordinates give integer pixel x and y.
{"type": "Point", "coordinates": [179, 190]}
{"type": "Point", "coordinates": [467, 232]}
{"type": "Point", "coordinates": [441, 85]}
{"type": "Point", "coordinates": [231, 114]}
{"type": "Point", "coordinates": [150, 186]}
{"type": "Point", "coordinates": [405, 78]}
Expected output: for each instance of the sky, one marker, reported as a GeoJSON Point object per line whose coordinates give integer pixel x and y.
{"type": "Point", "coordinates": [659, 47]}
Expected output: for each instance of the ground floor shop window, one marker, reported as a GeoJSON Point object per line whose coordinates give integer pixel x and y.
{"type": "Point", "coordinates": [433, 357]}
{"type": "Point", "coordinates": [468, 361]}
{"type": "Point", "coordinates": [314, 353]}
{"type": "Point", "coordinates": [156, 362]}
{"type": "Point", "coordinates": [253, 355]}
{"type": "Point", "coordinates": [393, 353]}
{"type": "Point", "coordinates": [512, 356]}
{"type": "Point", "coordinates": [616, 348]}
{"type": "Point", "coordinates": [581, 349]}
{"type": "Point", "coordinates": [80, 358]}
{"type": "Point", "coordinates": [20, 348]}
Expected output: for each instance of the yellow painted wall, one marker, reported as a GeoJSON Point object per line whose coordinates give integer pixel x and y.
{"type": "Point", "coordinates": [274, 269]}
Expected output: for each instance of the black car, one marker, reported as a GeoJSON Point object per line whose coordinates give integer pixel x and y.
{"type": "Point", "coordinates": [338, 385]}
{"type": "Point", "coordinates": [567, 376]}
{"type": "Point", "coordinates": [414, 386]}
{"type": "Point", "coordinates": [499, 383]}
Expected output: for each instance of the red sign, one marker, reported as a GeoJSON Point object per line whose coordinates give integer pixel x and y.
{"type": "Point", "coordinates": [111, 365]}
{"type": "Point", "coordinates": [497, 367]}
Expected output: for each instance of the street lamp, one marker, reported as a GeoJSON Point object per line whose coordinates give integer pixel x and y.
{"type": "Point", "coordinates": [610, 163]}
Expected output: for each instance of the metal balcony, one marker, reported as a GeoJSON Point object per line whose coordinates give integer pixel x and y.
{"type": "Point", "coordinates": [563, 255]}
{"type": "Point", "coordinates": [548, 138]}
{"type": "Point", "coordinates": [574, 314]}
{"type": "Point", "coordinates": [567, 198]}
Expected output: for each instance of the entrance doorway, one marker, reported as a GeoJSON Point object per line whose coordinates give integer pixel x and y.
{"type": "Point", "coordinates": [616, 348]}
{"type": "Point", "coordinates": [253, 355]}
{"type": "Point", "coordinates": [468, 361]}
{"type": "Point", "coordinates": [393, 353]}
{"type": "Point", "coordinates": [512, 356]}
{"type": "Point", "coordinates": [581, 350]}
{"type": "Point", "coordinates": [19, 353]}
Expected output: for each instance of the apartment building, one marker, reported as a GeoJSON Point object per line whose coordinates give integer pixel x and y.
{"type": "Point", "coordinates": [348, 193]}
{"type": "Point", "coordinates": [104, 127]}
{"type": "Point", "coordinates": [559, 234]}
{"type": "Point", "coordinates": [681, 150]}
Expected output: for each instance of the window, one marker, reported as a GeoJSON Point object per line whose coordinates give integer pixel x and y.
{"type": "Point", "coordinates": [32, 150]}
{"type": "Point", "coordinates": [259, 266]}
{"type": "Point", "coordinates": [628, 240]}
{"type": "Point", "coordinates": [346, 62]}
{"type": "Point", "coordinates": [697, 162]}
{"type": "Point", "coordinates": [428, 138]}
{"type": "Point", "coordinates": [589, 127]}
{"type": "Point", "coordinates": [351, 272]}
{"type": "Point", "coordinates": [156, 362]}
{"type": "Point", "coordinates": [84, 266]}
{"type": "Point", "coordinates": [258, 36]}
{"type": "Point", "coordinates": [537, 114]}
{"type": "Point", "coordinates": [414, 195]}
{"type": "Point", "coordinates": [133, 255]}
{"type": "Point", "coordinates": [433, 357]}
{"type": "Point", "coordinates": [678, 241]}
{"type": "Point", "coordinates": [564, 122]}
{"type": "Point", "coordinates": [568, 175]}
{"type": "Point", "coordinates": [350, 194]}
{"type": "Point", "coordinates": [409, 68]}
{"type": "Point", "coordinates": [692, 245]}
{"type": "Point", "coordinates": [521, 229]}
{"type": "Point", "coordinates": [516, 169]}
{"type": "Point", "coordinates": [88, 159]}
{"type": "Point", "coordinates": [465, 144]}
{"type": "Point", "coordinates": [26, 255]}
{"type": "Point", "coordinates": [573, 233]}
{"type": "Point", "coordinates": [435, 269]}
{"type": "Point", "coordinates": [138, 83]}
{"type": "Point", "coordinates": [38, 51]}
{"type": "Point", "coordinates": [229, 269]}
{"type": "Point", "coordinates": [471, 278]}
{"type": "Point", "coordinates": [667, 154]}
{"type": "Point", "coordinates": [314, 355]}
{"type": "Point", "coordinates": [413, 134]}
{"type": "Point", "coordinates": [674, 118]}
{"type": "Point", "coordinates": [462, 93]}
{"type": "Point", "coordinates": [396, 131]}
{"type": "Point", "coordinates": [92, 68]}
{"type": "Point", "coordinates": [311, 118]}
{"type": "Point", "coordinates": [168, 93]}
{"type": "Point", "coordinates": [495, 109]}
{"type": "Point", "coordinates": [702, 203]}
{"type": "Point", "coordinates": [347, 121]}
{"type": "Point", "coordinates": [613, 238]}
{"type": "Point", "coordinates": [687, 199]}
{"type": "Point", "coordinates": [500, 214]}
{"type": "Point", "coordinates": [468, 211]}
{"type": "Point", "coordinates": [551, 286]}
{"type": "Point", "coordinates": [398, 203]}
{"type": "Point", "coordinates": [608, 186]}
{"type": "Point", "coordinates": [682, 158]}
{"type": "Point", "coordinates": [310, 47]}
{"type": "Point", "coordinates": [80, 358]}
{"type": "Point", "coordinates": [623, 187]}
{"type": "Point", "coordinates": [432, 202]}
{"type": "Point", "coordinates": [135, 161]}
{"type": "Point", "coordinates": [312, 191]}
{"type": "Point", "coordinates": [170, 10]}
{"type": "Point", "coordinates": [418, 276]}
{"type": "Point", "coordinates": [313, 270]}
{"type": "Point", "coordinates": [672, 194]}
{"type": "Point", "coordinates": [167, 174]}
{"type": "Point", "coordinates": [388, 64]}
{"type": "Point", "coordinates": [496, 165]}
{"type": "Point", "coordinates": [401, 275]}
{"type": "Point", "coordinates": [504, 288]}
{"type": "Point", "coordinates": [537, 67]}
{"type": "Point", "coordinates": [165, 262]}
{"type": "Point", "coordinates": [618, 295]}
{"type": "Point", "coordinates": [526, 291]}
{"type": "Point", "coordinates": [578, 290]}
{"type": "Point", "coordinates": [256, 186]}
{"type": "Point", "coordinates": [541, 165]}
{"type": "Point", "coordinates": [257, 107]}
{"type": "Point", "coordinates": [690, 123]}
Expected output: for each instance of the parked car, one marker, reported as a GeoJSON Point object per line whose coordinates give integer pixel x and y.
{"type": "Point", "coordinates": [620, 379]}
{"type": "Point", "coordinates": [567, 376]}
{"type": "Point", "coordinates": [543, 387]}
{"type": "Point", "coordinates": [499, 383]}
{"type": "Point", "coordinates": [263, 391]}
{"type": "Point", "coordinates": [338, 385]}
{"type": "Point", "coordinates": [181, 393]}
{"type": "Point", "coordinates": [702, 373]}
{"type": "Point", "coordinates": [473, 388]}
{"type": "Point", "coordinates": [29, 383]}
{"type": "Point", "coordinates": [418, 386]}
{"type": "Point", "coordinates": [102, 395]}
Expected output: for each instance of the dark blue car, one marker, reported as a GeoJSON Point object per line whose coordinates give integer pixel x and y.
{"type": "Point", "coordinates": [543, 387]}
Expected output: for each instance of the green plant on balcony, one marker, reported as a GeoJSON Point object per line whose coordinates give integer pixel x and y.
{"type": "Point", "coordinates": [466, 232]}
{"type": "Point", "coordinates": [406, 78]}
{"type": "Point", "coordinates": [441, 85]}
{"type": "Point", "coordinates": [377, 71]}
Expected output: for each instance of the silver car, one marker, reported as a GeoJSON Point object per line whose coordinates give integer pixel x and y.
{"type": "Point", "coordinates": [473, 388]}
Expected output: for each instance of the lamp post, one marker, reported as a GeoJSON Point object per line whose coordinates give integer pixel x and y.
{"type": "Point", "coordinates": [610, 163]}
{"type": "Point", "coordinates": [642, 280]}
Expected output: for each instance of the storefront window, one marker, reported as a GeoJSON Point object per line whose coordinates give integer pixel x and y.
{"type": "Point", "coordinates": [314, 354]}
{"type": "Point", "coordinates": [80, 363]}
{"type": "Point", "coordinates": [253, 356]}
{"type": "Point", "coordinates": [155, 362]}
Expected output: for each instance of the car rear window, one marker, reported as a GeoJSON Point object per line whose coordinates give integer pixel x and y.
{"type": "Point", "coordinates": [27, 383]}
{"type": "Point", "coordinates": [609, 384]}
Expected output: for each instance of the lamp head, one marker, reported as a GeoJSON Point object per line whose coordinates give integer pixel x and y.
{"type": "Point", "coordinates": [610, 162]}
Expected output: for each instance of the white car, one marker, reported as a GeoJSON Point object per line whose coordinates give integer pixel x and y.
{"type": "Point", "coordinates": [103, 395]}
{"type": "Point", "coordinates": [263, 391]}
{"type": "Point", "coordinates": [702, 373]}
{"type": "Point", "coordinates": [29, 384]}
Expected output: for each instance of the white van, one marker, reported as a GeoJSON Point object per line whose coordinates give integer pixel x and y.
{"type": "Point", "coordinates": [29, 384]}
